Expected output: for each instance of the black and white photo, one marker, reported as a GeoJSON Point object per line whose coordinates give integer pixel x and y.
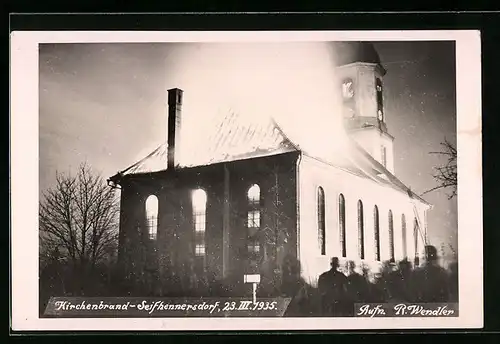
{"type": "Point", "coordinates": [319, 176]}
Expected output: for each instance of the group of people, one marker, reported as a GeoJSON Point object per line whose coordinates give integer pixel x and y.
{"type": "Point", "coordinates": [428, 283]}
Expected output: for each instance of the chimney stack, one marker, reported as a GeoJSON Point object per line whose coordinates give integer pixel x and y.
{"type": "Point", "coordinates": [174, 126]}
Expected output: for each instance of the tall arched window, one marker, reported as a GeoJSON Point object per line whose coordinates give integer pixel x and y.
{"type": "Point", "coordinates": [199, 220]}
{"type": "Point", "coordinates": [383, 156]}
{"type": "Point", "coordinates": [348, 96]}
{"type": "Point", "coordinates": [376, 230]}
{"type": "Point", "coordinates": [391, 237]}
{"type": "Point", "coordinates": [321, 221]}
{"type": "Point", "coordinates": [342, 225]}
{"type": "Point", "coordinates": [415, 240]}
{"type": "Point", "coordinates": [152, 216]}
{"type": "Point", "coordinates": [361, 231]}
{"type": "Point", "coordinates": [380, 100]}
{"type": "Point", "coordinates": [403, 235]}
{"type": "Point", "coordinates": [253, 220]}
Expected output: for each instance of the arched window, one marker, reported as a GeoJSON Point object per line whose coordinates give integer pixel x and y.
{"type": "Point", "coordinates": [361, 231]}
{"type": "Point", "coordinates": [342, 225]}
{"type": "Point", "coordinates": [376, 227]}
{"type": "Point", "coordinates": [152, 216]}
{"type": "Point", "coordinates": [383, 154]}
{"type": "Point", "coordinates": [199, 220]}
{"type": "Point", "coordinates": [321, 221]}
{"type": "Point", "coordinates": [253, 220]}
{"type": "Point", "coordinates": [254, 195]}
{"type": "Point", "coordinates": [347, 89]}
{"type": "Point", "coordinates": [380, 100]}
{"type": "Point", "coordinates": [415, 240]}
{"type": "Point", "coordinates": [403, 234]}
{"type": "Point", "coordinates": [391, 237]}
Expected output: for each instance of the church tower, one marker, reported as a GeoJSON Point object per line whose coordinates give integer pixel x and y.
{"type": "Point", "coordinates": [359, 76]}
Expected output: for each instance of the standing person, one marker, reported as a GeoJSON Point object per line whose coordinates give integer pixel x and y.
{"type": "Point", "coordinates": [332, 286]}
{"type": "Point", "coordinates": [432, 279]}
{"type": "Point", "coordinates": [357, 285]}
{"type": "Point", "coordinates": [402, 283]}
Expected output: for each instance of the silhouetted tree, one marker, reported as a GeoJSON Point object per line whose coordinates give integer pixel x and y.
{"type": "Point", "coordinates": [79, 218]}
{"type": "Point", "coordinates": [446, 175]}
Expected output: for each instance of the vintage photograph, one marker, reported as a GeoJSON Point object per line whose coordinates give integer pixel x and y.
{"type": "Point", "coordinates": [329, 169]}
{"type": "Point", "coordinates": [294, 178]}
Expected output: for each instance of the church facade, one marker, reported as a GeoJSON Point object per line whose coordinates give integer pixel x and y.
{"type": "Point", "coordinates": [271, 201]}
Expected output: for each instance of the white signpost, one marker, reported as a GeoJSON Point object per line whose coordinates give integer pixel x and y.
{"type": "Point", "coordinates": [254, 279]}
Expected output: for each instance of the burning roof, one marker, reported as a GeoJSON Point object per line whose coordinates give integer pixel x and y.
{"type": "Point", "coordinates": [236, 137]}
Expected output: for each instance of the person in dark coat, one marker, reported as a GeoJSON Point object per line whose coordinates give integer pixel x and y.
{"type": "Point", "coordinates": [431, 280]}
{"type": "Point", "coordinates": [402, 282]}
{"type": "Point", "coordinates": [332, 286]}
{"type": "Point", "coordinates": [358, 287]}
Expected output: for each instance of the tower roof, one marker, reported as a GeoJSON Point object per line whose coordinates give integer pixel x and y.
{"type": "Point", "coordinates": [352, 52]}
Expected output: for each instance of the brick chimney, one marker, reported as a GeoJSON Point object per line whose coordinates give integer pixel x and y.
{"type": "Point", "coordinates": [174, 125]}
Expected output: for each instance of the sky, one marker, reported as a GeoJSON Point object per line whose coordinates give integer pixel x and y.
{"type": "Point", "coordinates": [106, 103]}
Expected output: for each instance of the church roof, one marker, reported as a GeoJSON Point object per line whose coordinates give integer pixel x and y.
{"type": "Point", "coordinates": [235, 137]}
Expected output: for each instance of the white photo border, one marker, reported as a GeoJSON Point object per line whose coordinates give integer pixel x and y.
{"type": "Point", "coordinates": [25, 183]}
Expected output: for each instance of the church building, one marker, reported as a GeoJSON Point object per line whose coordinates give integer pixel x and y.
{"type": "Point", "coordinates": [255, 198]}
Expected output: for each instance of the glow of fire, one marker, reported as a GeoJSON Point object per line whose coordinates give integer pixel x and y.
{"type": "Point", "coordinates": [294, 83]}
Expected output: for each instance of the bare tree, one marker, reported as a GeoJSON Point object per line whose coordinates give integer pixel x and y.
{"type": "Point", "coordinates": [79, 218]}
{"type": "Point", "coordinates": [446, 175]}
